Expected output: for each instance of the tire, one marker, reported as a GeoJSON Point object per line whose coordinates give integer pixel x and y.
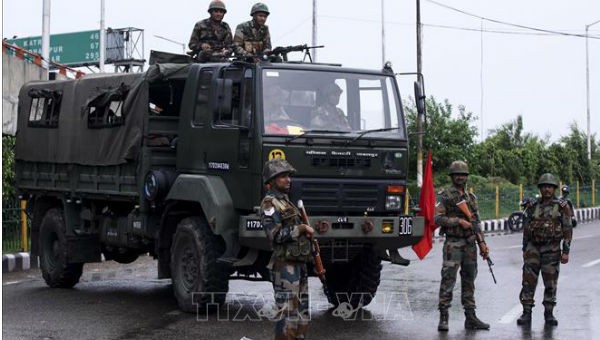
{"type": "Point", "coordinates": [355, 282]}
{"type": "Point", "coordinates": [195, 272]}
{"type": "Point", "coordinates": [53, 252]}
{"type": "Point", "coordinates": [515, 221]}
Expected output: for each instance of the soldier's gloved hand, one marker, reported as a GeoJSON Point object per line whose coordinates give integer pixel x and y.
{"type": "Point", "coordinates": [464, 223]}
{"type": "Point", "coordinates": [563, 202]}
{"type": "Point", "coordinates": [226, 52]}
{"type": "Point", "coordinates": [306, 229]}
{"type": "Point", "coordinates": [205, 47]}
{"type": "Point", "coordinates": [564, 258]}
{"type": "Point", "coordinates": [484, 251]}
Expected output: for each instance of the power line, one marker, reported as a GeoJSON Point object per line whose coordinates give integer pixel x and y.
{"type": "Point", "coordinates": [508, 23]}
{"type": "Point", "coordinates": [487, 30]}
{"type": "Point", "coordinates": [473, 29]}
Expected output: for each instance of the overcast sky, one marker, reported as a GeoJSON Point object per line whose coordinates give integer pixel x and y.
{"type": "Point", "coordinates": [498, 74]}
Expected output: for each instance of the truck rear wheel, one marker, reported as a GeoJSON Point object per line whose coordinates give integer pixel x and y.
{"type": "Point", "coordinates": [199, 281]}
{"type": "Point", "coordinates": [53, 252]}
{"type": "Point", "coordinates": [355, 282]}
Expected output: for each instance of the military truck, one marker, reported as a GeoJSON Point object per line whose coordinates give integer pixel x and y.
{"type": "Point", "coordinates": [169, 163]}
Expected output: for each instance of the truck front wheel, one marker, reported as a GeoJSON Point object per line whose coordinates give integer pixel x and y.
{"type": "Point", "coordinates": [57, 272]}
{"type": "Point", "coordinates": [199, 282]}
{"type": "Point", "coordinates": [355, 282]}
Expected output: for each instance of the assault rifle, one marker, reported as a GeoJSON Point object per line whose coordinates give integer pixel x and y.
{"type": "Point", "coordinates": [476, 230]}
{"type": "Point", "coordinates": [283, 51]}
{"type": "Point", "coordinates": [316, 251]}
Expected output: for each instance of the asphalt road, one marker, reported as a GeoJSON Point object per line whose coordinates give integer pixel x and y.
{"type": "Point", "coordinates": [115, 301]}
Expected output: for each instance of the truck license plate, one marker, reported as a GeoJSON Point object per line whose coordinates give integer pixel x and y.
{"type": "Point", "coordinates": [253, 225]}
{"type": "Point", "coordinates": [405, 226]}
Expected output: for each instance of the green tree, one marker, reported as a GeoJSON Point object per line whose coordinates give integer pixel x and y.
{"type": "Point", "coordinates": [448, 133]}
{"type": "Point", "coordinates": [8, 169]}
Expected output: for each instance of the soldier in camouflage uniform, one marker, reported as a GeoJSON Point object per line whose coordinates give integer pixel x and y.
{"type": "Point", "coordinates": [252, 38]}
{"type": "Point", "coordinates": [211, 38]}
{"type": "Point", "coordinates": [327, 115]}
{"type": "Point", "coordinates": [291, 243]}
{"type": "Point", "coordinates": [550, 223]}
{"type": "Point", "coordinates": [460, 249]}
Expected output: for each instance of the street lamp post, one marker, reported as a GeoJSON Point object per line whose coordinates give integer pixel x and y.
{"type": "Point", "coordinates": [587, 89]}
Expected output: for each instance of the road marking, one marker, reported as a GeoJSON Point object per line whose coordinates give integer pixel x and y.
{"type": "Point", "coordinates": [10, 283]}
{"type": "Point", "coordinates": [591, 263]}
{"type": "Point", "coordinates": [512, 314]}
{"type": "Point", "coordinates": [515, 247]}
{"type": "Point", "coordinates": [582, 237]}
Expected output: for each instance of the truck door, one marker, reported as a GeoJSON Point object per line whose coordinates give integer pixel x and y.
{"type": "Point", "coordinates": [232, 135]}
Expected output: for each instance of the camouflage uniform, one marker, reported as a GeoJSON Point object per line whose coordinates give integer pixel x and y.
{"type": "Point", "coordinates": [550, 223]}
{"type": "Point", "coordinates": [218, 37]}
{"type": "Point", "coordinates": [460, 249]}
{"type": "Point", "coordinates": [291, 251]}
{"type": "Point", "coordinates": [251, 39]}
{"type": "Point", "coordinates": [329, 117]}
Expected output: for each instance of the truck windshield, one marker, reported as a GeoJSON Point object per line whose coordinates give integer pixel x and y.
{"type": "Point", "coordinates": [305, 101]}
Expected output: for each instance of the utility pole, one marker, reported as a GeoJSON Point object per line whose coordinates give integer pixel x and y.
{"type": "Point", "coordinates": [46, 35]}
{"type": "Point", "coordinates": [314, 31]}
{"type": "Point", "coordinates": [419, 116]}
{"type": "Point", "coordinates": [587, 90]}
{"type": "Point", "coordinates": [102, 48]}
{"type": "Point", "coordinates": [382, 34]}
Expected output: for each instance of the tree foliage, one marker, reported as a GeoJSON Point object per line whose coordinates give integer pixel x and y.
{"type": "Point", "coordinates": [450, 134]}
{"type": "Point", "coordinates": [507, 153]}
{"type": "Point", "coordinates": [8, 168]}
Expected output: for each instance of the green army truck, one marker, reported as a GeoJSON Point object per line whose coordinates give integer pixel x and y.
{"type": "Point", "coordinates": [169, 163]}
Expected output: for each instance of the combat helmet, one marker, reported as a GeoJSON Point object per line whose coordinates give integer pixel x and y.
{"type": "Point", "coordinates": [332, 88]}
{"type": "Point", "coordinates": [259, 7]}
{"type": "Point", "coordinates": [458, 167]}
{"type": "Point", "coordinates": [547, 178]}
{"type": "Point", "coordinates": [276, 167]}
{"type": "Point", "coordinates": [217, 4]}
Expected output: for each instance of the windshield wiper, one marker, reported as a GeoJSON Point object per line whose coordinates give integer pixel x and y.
{"type": "Point", "coordinates": [361, 134]}
{"type": "Point", "coordinates": [315, 131]}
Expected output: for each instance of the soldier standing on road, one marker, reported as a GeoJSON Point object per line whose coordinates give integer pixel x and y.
{"type": "Point", "coordinates": [460, 249]}
{"type": "Point", "coordinates": [549, 224]}
{"type": "Point", "coordinates": [291, 244]}
{"type": "Point", "coordinates": [252, 37]}
{"type": "Point", "coordinates": [212, 35]}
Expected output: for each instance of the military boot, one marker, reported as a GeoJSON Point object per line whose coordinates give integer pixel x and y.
{"type": "Point", "coordinates": [443, 325]}
{"type": "Point", "coordinates": [525, 318]}
{"type": "Point", "coordinates": [549, 316]}
{"type": "Point", "coordinates": [472, 322]}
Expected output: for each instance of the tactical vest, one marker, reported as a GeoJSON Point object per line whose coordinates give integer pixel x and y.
{"type": "Point", "coordinates": [452, 210]}
{"type": "Point", "coordinates": [545, 226]}
{"type": "Point", "coordinates": [298, 250]}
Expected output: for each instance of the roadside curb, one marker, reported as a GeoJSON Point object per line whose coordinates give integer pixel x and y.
{"type": "Point", "coordinates": [22, 261]}
{"type": "Point", "coordinates": [17, 262]}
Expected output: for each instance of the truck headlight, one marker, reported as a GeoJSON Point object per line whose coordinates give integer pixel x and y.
{"type": "Point", "coordinates": [393, 202]}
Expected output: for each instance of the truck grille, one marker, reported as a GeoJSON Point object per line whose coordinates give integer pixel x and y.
{"type": "Point", "coordinates": [337, 197]}
{"type": "Point", "coordinates": [341, 162]}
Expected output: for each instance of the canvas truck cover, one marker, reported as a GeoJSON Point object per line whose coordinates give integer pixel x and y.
{"type": "Point", "coordinates": [81, 129]}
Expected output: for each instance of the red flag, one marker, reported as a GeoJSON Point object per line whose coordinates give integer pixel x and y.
{"type": "Point", "coordinates": [427, 206]}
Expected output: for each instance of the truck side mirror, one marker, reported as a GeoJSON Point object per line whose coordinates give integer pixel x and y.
{"type": "Point", "coordinates": [222, 97]}
{"type": "Point", "coordinates": [419, 98]}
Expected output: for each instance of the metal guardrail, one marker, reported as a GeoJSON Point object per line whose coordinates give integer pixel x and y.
{"type": "Point", "coordinates": [13, 238]}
